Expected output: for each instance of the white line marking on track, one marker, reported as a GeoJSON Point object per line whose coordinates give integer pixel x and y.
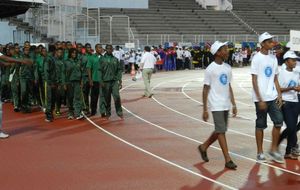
{"type": "Point", "coordinates": [158, 157]}
{"type": "Point", "coordinates": [199, 142]}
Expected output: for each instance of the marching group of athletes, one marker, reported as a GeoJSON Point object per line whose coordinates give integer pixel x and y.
{"type": "Point", "coordinates": [78, 79]}
{"type": "Point", "coordinates": [63, 75]}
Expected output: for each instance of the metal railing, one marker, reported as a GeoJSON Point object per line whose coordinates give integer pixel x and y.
{"type": "Point", "coordinates": [158, 39]}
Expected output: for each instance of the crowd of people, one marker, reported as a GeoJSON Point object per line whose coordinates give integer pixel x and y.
{"type": "Point", "coordinates": [276, 92]}
{"type": "Point", "coordinates": [81, 79]}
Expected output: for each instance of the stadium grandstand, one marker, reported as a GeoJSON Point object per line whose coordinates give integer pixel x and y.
{"type": "Point", "coordinates": [190, 21]}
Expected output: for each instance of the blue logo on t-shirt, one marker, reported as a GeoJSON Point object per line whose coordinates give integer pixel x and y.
{"type": "Point", "coordinates": [292, 83]}
{"type": "Point", "coordinates": [223, 79]}
{"type": "Point", "coordinates": [268, 71]}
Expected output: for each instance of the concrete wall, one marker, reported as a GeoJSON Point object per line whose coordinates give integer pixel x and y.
{"type": "Point", "coordinates": [143, 4]}
{"type": "Point", "coordinates": [6, 32]}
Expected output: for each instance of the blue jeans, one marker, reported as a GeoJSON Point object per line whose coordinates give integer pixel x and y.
{"type": "Point", "coordinates": [274, 113]}
{"type": "Point", "coordinates": [290, 116]}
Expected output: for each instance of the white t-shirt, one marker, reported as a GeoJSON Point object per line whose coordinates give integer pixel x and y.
{"type": "Point", "coordinates": [117, 54]}
{"type": "Point", "coordinates": [289, 79]}
{"type": "Point", "coordinates": [148, 60]}
{"type": "Point", "coordinates": [265, 67]}
{"type": "Point", "coordinates": [218, 77]}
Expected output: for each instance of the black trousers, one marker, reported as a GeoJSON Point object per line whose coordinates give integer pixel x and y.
{"type": "Point", "coordinates": [94, 97]}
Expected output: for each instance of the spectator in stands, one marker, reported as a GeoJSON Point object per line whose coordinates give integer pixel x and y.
{"type": "Point", "coordinates": [187, 56]}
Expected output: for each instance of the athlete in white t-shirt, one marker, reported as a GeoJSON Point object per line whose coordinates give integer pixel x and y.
{"type": "Point", "coordinates": [267, 97]}
{"type": "Point", "coordinates": [289, 84]}
{"type": "Point", "coordinates": [218, 93]}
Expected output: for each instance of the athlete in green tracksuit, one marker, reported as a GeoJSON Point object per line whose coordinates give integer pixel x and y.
{"type": "Point", "coordinates": [93, 68]}
{"type": "Point", "coordinates": [84, 58]}
{"type": "Point", "coordinates": [60, 70]}
{"type": "Point", "coordinates": [111, 80]}
{"type": "Point", "coordinates": [73, 81]}
{"type": "Point", "coordinates": [15, 82]}
{"type": "Point", "coordinates": [39, 75]}
{"type": "Point", "coordinates": [50, 76]}
{"type": "Point", "coordinates": [25, 72]}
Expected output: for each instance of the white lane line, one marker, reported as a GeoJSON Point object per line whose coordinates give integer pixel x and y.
{"type": "Point", "coordinates": [241, 86]}
{"type": "Point", "coordinates": [158, 157]}
{"type": "Point", "coordinates": [196, 119]}
{"type": "Point", "coordinates": [192, 99]}
{"type": "Point", "coordinates": [199, 142]}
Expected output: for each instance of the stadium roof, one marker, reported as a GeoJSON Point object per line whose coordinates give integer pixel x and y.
{"type": "Point", "coordinates": [9, 8]}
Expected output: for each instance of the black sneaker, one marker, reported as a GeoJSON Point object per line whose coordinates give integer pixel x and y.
{"type": "Point", "coordinates": [231, 165]}
{"type": "Point", "coordinates": [48, 120]}
{"type": "Point", "coordinates": [203, 154]}
{"type": "Point", "coordinates": [16, 109]}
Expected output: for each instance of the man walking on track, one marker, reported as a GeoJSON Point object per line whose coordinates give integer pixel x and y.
{"type": "Point", "coordinates": [267, 97]}
{"type": "Point", "coordinates": [147, 65]}
{"type": "Point", "coordinates": [218, 93]}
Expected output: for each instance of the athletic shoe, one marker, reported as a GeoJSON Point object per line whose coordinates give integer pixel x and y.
{"type": "Point", "coordinates": [230, 165]}
{"type": "Point", "coordinates": [79, 117]}
{"type": "Point", "coordinates": [70, 117]}
{"type": "Point", "coordinates": [58, 113]}
{"type": "Point", "coordinates": [295, 151]}
{"type": "Point", "coordinates": [3, 135]}
{"type": "Point", "coordinates": [291, 156]}
{"type": "Point", "coordinates": [276, 157]}
{"type": "Point", "coordinates": [16, 109]}
{"type": "Point", "coordinates": [261, 158]}
{"type": "Point", "coordinates": [48, 120]}
{"type": "Point", "coordinates": [203, 154]}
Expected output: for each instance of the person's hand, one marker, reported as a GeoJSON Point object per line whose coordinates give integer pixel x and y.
{"type": "Point", "coordinates": [65, 87]}
{"type": "Point", "coordinates": [91, 83]}
{"type": "Point", "coordinates": [297, 88]}
{"type": "Point", "coordinates": [234, 111]}
{"type": "Point", "coordinates": [262, 106]}
{"type": "Point", "coordinates": [205, 116]}
{"type": "Point", "coordinates": [120, 85]}
{"type": "Point", "coordinates": [279, 101]}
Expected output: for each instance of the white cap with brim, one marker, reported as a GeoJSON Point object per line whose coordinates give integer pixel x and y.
{"type": "Point", "coordinates": [290, 54]}
{"type": "Point", "coordinates": [216, 46]}
{"type": "Point", "coordinates": [264, 36]}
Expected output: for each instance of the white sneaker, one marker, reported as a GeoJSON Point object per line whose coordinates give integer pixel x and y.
{"type": "Point", "coordinates": [3, 135]}
{"type": "Point", "coordinates": [277, 157]}
{"type": "Point", "coordinates": [79, 117]}
{"type": "Point", "coordinates": [261, 158]}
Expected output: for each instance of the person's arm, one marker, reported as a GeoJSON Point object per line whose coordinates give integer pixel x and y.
{"type": "Point", "coordinates": [261, 104]}
{"type": "Point", "coordinates": [206, 89]}
{"type": "Point", "coordinates": [279, 98]}
{"type": "Point", "coordinates": [9, 59]}
{"type": "Point", "coordinates": [89, 70]}
{"type": "Point", "coordinates": [47, 68]}
{"type": "Point", "coordinates": [232, 99]}
{"type": "Point", "coordinates": [119, 74]}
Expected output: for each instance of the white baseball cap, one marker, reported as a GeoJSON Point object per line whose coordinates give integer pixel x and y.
{"type": "Point", "coordinates": [290, 54]}
{"type": "Point", "coordinates": [216, 46]}
{"type": "Point", "coordinates": [264, 36]}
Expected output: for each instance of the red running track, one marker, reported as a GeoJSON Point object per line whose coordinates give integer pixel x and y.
{"type": "Point", "coordinates": [156, 149]}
